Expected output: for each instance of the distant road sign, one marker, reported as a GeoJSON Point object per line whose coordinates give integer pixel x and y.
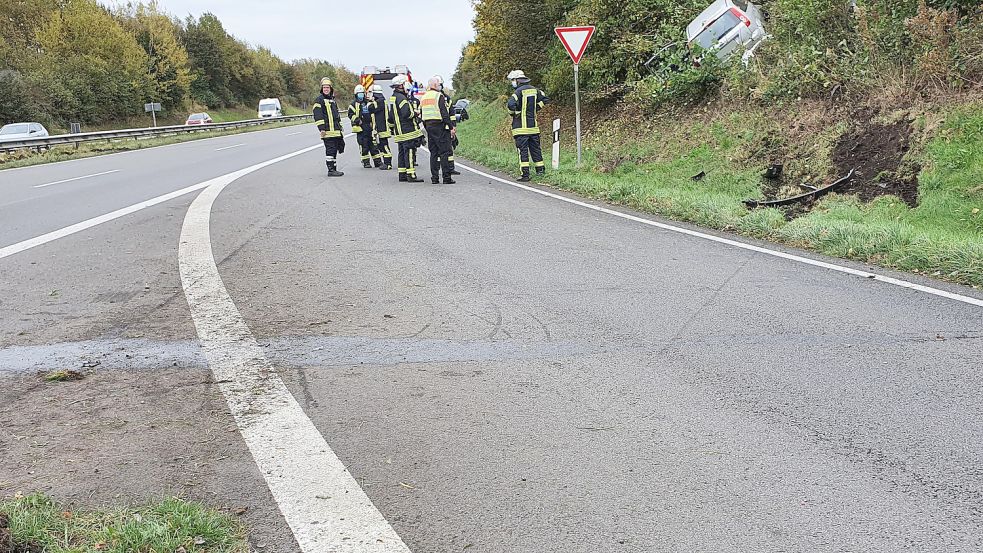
{"type": "Point", "coordinates": [151, 107]}
{"type": "Point", "coordinates": [575, 40]}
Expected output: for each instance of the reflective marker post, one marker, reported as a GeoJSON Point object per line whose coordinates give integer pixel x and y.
{"type": "Point", "coordinates": [556, 144]}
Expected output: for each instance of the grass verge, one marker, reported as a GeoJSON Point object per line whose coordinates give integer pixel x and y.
{"type": "Point", "coordinates": [650, 168]}
{"type": "Point", "coordinates": [37, 523]}
{"type": "Point", "coordinates": [25, 158]}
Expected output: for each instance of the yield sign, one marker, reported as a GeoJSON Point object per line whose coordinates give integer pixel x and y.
{"type": "Point", "coordinates": [575, 40]}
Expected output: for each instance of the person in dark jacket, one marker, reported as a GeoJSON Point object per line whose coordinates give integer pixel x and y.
{"type": "Point", "coordinates": [404, 126]}
{"type": "Point", "coordinates": [440, 129]}
{"type": "Point", "coordinates": [362, 112]}
{"type": "Point", "coordinates": [382, 128]}
{"type": "Point", "coordinates": [328, 121]}
{"type": "Point", "coordinates": [524, 105]}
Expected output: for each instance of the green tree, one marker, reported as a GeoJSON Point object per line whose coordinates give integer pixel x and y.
{"type": "Point", "coordinates": [169, 64]}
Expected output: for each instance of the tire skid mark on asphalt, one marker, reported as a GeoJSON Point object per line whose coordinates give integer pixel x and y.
{"type": "Point", "coordinates": [727, 241]}
{"type": "Point", "coordinates": [322, 503]}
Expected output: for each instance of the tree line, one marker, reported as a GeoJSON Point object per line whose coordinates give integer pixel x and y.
{"type": "Point", "coordinates": [67, 61]}
{"type": "Point", "coordinates": [818, 48]}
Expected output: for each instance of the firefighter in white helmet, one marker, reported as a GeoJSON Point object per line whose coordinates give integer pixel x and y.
{"type": "Point", "coordinates": [382, 133]}
{"type": "Point", "coordinates": [402, 119]}
{"type": "Point", "coordinates": [440, 129]}
{"type": "Point", "coordinates": [524, 105]}
{"type": "Point", "coordinates": [361, 112]}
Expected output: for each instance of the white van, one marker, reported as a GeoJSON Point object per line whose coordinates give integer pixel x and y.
{"type": "Point", "coordinates": [270, 107]}
{"type": "Point", "coordinates": [726, 25]}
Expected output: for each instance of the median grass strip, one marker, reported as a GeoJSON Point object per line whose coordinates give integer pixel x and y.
{"type": "Point", "coordinates": [37, 523]}
{"type": "Point", "coordinates": [26, 158]}
{"type": "Point", "coordinates": [651, 168]}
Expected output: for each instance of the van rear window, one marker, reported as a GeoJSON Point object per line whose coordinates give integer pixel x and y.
{"type": "Point", "coordinates": [267, 107]}
{"type": "Point", "coordinates": [714, 31]}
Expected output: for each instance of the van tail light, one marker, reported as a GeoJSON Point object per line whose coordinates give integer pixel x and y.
{"type": "Point", "coordinates": [740, 15]}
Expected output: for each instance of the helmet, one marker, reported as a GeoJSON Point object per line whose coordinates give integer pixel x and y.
{"type": "Point", "coordinates": [377, 88]}
{"type": "Point", "coordinates": [516, 74]}
{"type": "Point", "coordinates": [359, 89]}
{"type": "Point", "coordinates": [326, 82]}
{"type": "Point", "coordinates": [436, 82]}
{"type": "Point", "coordinates": [398, 81]}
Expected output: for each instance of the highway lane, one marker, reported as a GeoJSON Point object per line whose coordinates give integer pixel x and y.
{"type": "Point", "coordinates": [39, 199]}
{"type": "Point", "coordinates": [504, 372]}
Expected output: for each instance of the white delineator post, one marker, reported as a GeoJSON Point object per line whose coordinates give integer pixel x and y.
{"type": "Point", "coordinates": [575, 40]}
{"type": "Point", "coordinates": [556, 144]}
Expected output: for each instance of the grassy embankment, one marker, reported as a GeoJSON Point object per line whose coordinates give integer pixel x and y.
{"type": "Point", "coordinates": [25, 158]}
{"type": "Point", "coordinates": [649, 166]}
{"type": "Point", "coordinates": [36, 523]}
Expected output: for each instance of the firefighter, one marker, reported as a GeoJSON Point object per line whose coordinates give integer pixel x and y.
{"type": "Point", "coordinates": [381, 128]}
{"type": "Point", "coordinates": [440, 129]}
{"type": "Point", "coordinates": [328, 121]}
{"type": "Point", "coordinates": [454, 141]}
{"type": "Point", "coordinates": [403, 124]}
{"type": "Point", "coordinates": [361, 112]}
{"type": "Point", "coordinates": [524, 104]}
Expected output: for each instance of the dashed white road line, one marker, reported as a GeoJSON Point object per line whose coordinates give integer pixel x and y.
{"type": "Point", "coordinates": [320, 500]}
{"type": "Point", "coordinates": [230, 147]}
{"type": "Point", "coordinates": [76, 178]}
{"type": "Point", "coordinates": [294, 133]}
{"type": "Point", "coordinates": [775, 253]}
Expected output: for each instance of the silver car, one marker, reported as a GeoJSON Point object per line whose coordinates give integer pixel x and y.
{"type": "Point", "coordinates": [22, 131]}
{"type": "Point", "coordinates": [726, 26]}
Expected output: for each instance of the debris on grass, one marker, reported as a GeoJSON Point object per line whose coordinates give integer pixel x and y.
{"type": "Point", "coordinates": [64, 375]}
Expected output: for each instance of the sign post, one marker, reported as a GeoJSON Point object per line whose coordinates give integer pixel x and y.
{"type": "Point", "coordinates": [152, 109]}
{"type": "Point", "coordinates": [575, 40]}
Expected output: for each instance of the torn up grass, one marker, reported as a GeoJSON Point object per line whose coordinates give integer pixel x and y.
{"type": "Point", "coordinates": [650, 169]}
{"type": "Point", "coordinates": [37, 523]}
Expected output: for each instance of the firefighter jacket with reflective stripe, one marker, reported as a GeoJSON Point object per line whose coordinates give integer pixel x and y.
{"type": "Point", "coordinates": [434, 110]}
{"type": "Point", "coordinates": [361, 114]}
{"type": "Point", "coordinates": [326, 117]}
{"type": "Point", "coordinates": [402, 118]}
{"type": "Point", "coordinates": [450, 108]}
{"type": "Point", "coordinates": [524, 104]}
{"type": "Point", "coordinates": [379, 117]}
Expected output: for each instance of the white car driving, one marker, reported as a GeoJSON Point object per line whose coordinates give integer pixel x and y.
{"type": "Point", "coordinates": [22, 131]}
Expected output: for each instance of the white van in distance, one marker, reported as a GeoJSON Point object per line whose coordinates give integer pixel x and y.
{"type": "Point", "coordinates": [270, 107]}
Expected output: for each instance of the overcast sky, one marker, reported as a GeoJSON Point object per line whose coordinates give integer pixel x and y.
{"type": "Point", "coordinates": [426, 35]}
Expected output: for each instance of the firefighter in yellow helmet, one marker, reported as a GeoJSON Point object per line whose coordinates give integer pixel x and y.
{"type": "Point", "coordinates": [524, 105]}
{"type": "Point", "coordinates": [361, 112]}
{"type": "Point", "coordinates": [402, 119]}
{"type": "Point", "coordinates": [440, 130]}
{"type": "Point", "coordinates": [328, 121]}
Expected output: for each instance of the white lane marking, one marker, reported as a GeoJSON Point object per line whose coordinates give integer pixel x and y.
{"type": "Point", "coordinates": [791, 257]}
{"type": "Point", "coordinates": [87, 224]}
{"type": "Point", "coordinates": [321, 502]}
{"type": "Point", "coordinates": [230, 147]}
{"type": "Point", "coordinates": [77, 178]}
{"type": "Point", "coordinates": [294, 133]}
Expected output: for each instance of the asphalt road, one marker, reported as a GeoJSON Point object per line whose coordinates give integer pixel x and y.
{"type": "Point", "coordinates": [500, 371]}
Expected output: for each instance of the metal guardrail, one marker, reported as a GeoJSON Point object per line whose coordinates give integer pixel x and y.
{"type": "Point", "coordinates": [63, 139]}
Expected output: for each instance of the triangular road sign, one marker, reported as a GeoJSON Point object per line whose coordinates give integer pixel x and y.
{"type": "Point", "coordinates": [575, 40]}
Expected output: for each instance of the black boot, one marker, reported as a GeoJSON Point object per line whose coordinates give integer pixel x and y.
{"type": "Point", "coordinates": [388, 166]}
{"type": "Point", "coordinates": [540, 171]}
{"type": "Point", "coordinates": [377, 162]}
{"type": "Point", "coordinates": [366, 164]}
{"type": "Point", "coordinates": [333, 170]}
{"type": "Point", "coordinates": [448, 180]}
{"type": "Point", "coordinates": [402, 177]}
{"type": "Point", "coordinates": [434, 181]}
{"type": "Point", "coordinates": [413, 178]}
{"type": "Point", "coordinates": [455, 172]}
{"type": "Point", "coordinates": [524, 178]}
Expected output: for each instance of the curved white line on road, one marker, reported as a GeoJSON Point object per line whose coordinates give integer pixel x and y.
{"type": "Point", "coordinates": [775, 253]}
{"type": "Point", "coordinates": [321, 502]}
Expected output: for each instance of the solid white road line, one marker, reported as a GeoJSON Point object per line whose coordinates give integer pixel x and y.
{"type": "Point", "coordinates": [294, 133]}
{"type": "Point", "coordinates": [321, 502]}
{"type": "Point", "coordinates": [775, 253]}
{"type": "Point", "coordinates": [229, 147]}
{"type": "Point", "coordinates": [77, 178]}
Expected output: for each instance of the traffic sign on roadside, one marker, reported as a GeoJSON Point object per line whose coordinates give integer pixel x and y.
{"type": "Point", "coordinates": [575, 40]}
